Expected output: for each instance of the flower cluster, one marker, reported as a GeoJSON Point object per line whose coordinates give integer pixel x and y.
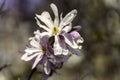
{"type": "Point", "coordinates": [51, 46]}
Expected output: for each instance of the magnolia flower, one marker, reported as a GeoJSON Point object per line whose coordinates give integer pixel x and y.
{"type": "Point", "coordinates": [39, 50]}
{"type": "Point", "coordinates": [64, 40]}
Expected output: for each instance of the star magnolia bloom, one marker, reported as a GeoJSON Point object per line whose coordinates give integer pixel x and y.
{"type": "Point", "coordinates": [59, 28]}
{"type": "Point", "coordinates": [39, 51]}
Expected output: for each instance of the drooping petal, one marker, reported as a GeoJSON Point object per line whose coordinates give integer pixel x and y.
{"type": "Point", "coordinates": [47, 68]}
{"type": "Point", "coordinates": [70, 41]}
{"type": "Point", "coordinates": [45, 20]}
{"type": "Point", "coordinates": [73, 51]}
{"type": "Point", "coordinates": [55, 11]}
{"type": "Point", "coordinates": [39, 57]}
{"type": "Point", "coordinates": [76, 36]}
{"type": "Point", "coordinates": [42, 26]}
{"type": "Point", "coordinates": [68, 18]}
{"type": "Point", "coordinates": [59, 47]}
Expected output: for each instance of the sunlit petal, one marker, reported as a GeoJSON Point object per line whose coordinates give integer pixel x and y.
{"type": "Point", "coordinates": [45, 20]}
{"type": "Point", "coordinates": [67, 28]}
{"type": "Point", "coordinates": [68, 18]}
{"type": "Point", "coordinates": [55, 11]}
{"type": "Point", "coordinates": [42, 26]}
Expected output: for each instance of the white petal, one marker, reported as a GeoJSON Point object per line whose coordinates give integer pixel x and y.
{"type": "Point", "coordinates": [34, 43]}
{"type": "Point", "coordinates": [61, 18]}
{"type": "Point", "coordinates": [67, 28]}
{"type": "Point", "coordinates": [42, 26]}
{"type": "Point", "coordinates": [68, 18]}
{"type": "Point", "coordinates": [47, 68]}
{"type": "Point", "coordinates": [77, 27]}
{"type": "Point", "coordinates": [31, 50]}
{"type": "Point", "coordinates": [37, 32]}
{"type": "Point", "coordinates": [55, 11]}
{"type": "Point", "coordinates": [46, 34]}
{"type": "Point", "coordinates": [39, 57]}
{"type": "Point", "coordinates": [80, 40]}
{"type": "Point", "coordinates": [26, 56]}
{"type": "Point", "coordinates": [47, 15]}
{"type": "Point", "coordinates": [58, 50]}
{"type": "Point", "coordinates": [45, 20]}
{"type": "Point", "coordinates": [71, 43]}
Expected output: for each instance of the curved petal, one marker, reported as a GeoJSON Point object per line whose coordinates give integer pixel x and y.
{"type": "Point", "coordinates": [76, 36]}
{"type": "Point", "coordinates": [26, 56]}
{"type": "Point", "coordinates": [55, 11]}
{"type": "Point", "coordinates": [45, 20]}
{"type": "Point", "coordinates": [70, 41]}
{"type": "Point", "coordinates": [77, 28]}
{"type": "Point", "coordinates": [42, 26]}
{"type": "Point", "coordinates": [73, 51]}
{"type": "Point", "coordinates": [37, 60]}
{"type": "Point", "coordinates": [47, 68]}
{"type": "Point", "coordinates": [68, 18]}
{"type": "Point", "coordinates": [59, 47]}
{"type": "Point", "coordinates": [34, 43]}
{"type": "Point", "coordinates": [31, 50]}
{"type": "Point", "coordinates": [47, 15]}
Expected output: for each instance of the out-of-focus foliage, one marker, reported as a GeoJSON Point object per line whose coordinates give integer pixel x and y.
{"type": "Point", "coordinates": [100, 21]}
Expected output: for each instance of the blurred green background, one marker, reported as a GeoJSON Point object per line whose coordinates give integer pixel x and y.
{"type": "Point", "coordinates": [100, 55]}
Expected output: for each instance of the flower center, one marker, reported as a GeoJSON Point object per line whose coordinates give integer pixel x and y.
{"type": "Point", "coordinates": [55, 30]}
{"type": "Point", "coordinates": [43, 49]}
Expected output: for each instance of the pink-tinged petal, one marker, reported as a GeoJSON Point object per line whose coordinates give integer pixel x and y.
{"type": "Point", "coordinates": [27, 57]}
{"type": "Point", "coordinates": [67, 28]}
{"type": "Point", "coordinates": [76, 36]}
{"type": "Point", "coordinates": [70, 41]}
{"type": "Point", "coordinates": [42, 26]}
{"type": "Point", "coordinates": [45, 20]}
{"type": "Point", "coordinates": [55, 11]}
{"type": "Point", "coordinates": [47, 68]}
{"type": "Point", "coordinates": [68, 18]}
{"type": "Point", "coordinates": [37, 60]}
{"type": "Point", "coordinates": [59, 47]}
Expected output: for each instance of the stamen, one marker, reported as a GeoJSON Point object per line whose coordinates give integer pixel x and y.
{"type": "Point", "coordinates": [55, 30]}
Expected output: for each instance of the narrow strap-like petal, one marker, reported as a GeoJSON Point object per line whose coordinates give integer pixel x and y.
{"type": "Point", "coordinates": [37, 60]}
{"type": "Point", "coordinates": [42, 26]}
{"type": "Point", "coordinates": [59, 47]}
{"type": "Point", "coordinates": [45, 20]}
{"type": "Point", "coordinates": [31, 50]}
{"type": "Point", "coordinates": [68, 18]}
{"type": "Point", "coordinates": [47, 68]}
{"type": "Point", "coordinates": [70, 41]}
{"type": "Point", "coordinates": [26, 56]}
{"type": "Point", "coordinates": [55, 11]}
